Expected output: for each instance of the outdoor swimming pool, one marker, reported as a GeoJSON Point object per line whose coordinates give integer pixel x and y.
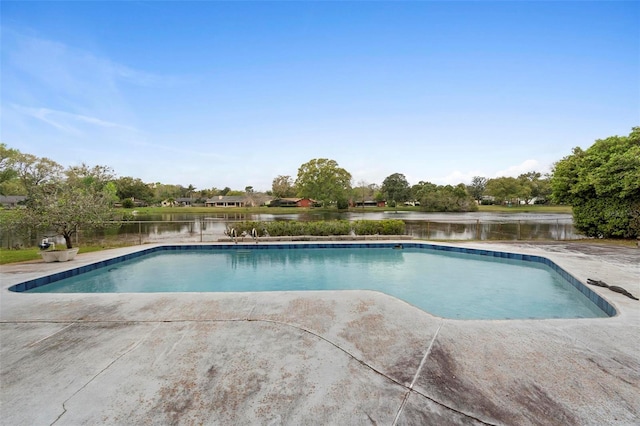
{"type": "Point", "coordinates": [445, 281]}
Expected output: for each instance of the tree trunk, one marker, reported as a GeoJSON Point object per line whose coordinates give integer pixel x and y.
{"type": "Point", "coordinates": [67, 239]}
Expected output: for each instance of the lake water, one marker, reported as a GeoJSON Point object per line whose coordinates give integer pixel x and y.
{"type": "Point", "coordinates": [430, 226]}
{"type": "Point", "coordinates": [207, 227]}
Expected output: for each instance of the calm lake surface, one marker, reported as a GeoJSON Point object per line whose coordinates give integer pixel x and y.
{"type": "Point", "coordinates": [175, 227]}
{"type": "Point", "coordinates": [195, 227]}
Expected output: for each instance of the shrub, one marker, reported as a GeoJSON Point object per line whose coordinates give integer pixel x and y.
{"type": "Point", "coordinates": [342, 204]}
{"type": "Point", "coordinates": [322, 228]}
{"type": "Point", "coordinates": [365, 227]}
{"type": "Point", "coordinates": [392, 227]}
{"type": "Point", "coordinates": [601, 183]}
{"type": "Point", "coordinates": [380, 227]}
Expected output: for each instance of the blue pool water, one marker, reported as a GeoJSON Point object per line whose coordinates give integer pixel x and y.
{"type": "Point", "coordinates": [447, 284]}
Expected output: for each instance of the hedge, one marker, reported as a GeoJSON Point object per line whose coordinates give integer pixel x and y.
{"type": "Point", "coordinates": [321, 228]}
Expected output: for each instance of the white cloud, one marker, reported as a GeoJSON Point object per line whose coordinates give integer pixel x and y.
{"type": "Point", "coordinates": [69, 88]}
{"type": "Point", "coordinates": [524, 167]}
{"type": "Point", "coordinates": [64, 67]}
{"type": "Point", "coordinates": [63, 120]}
{"type": "Point", "coordinates": [457, 177]}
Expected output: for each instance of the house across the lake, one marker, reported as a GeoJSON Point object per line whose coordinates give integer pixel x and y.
{"type": "Point", "coordinates": [369, 203]}
{"type": "Point", "coordinates": [292, 202]}
{"type": "Point", "coordinates": [226, 201]}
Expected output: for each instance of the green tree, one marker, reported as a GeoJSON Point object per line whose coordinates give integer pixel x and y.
{"type": "Point", "coordinates": [282, 187]}
{"type": "Point", "coordinates": [165, 191]}
{"type": "Point", "coordinates": [12, 187]}
{"type": "Point", "coordinates": [477, 187]}
{"type": "Point", "coordinates": [323, 180]}
{"type": "Point", "coordinates": [208, 193]}
{"type": "Point", "coordinates": [190, 190]}
{"type": "Point", "coordinates": [421, 189]}
{"type": "Point", "coordinates": [602, 184]}
{"type": "Point", "coordinates": [7, 166]}
{"type": "Point", "coordinates": [396, 188]}
{"type": "Point", "coordinates": [82, 200]}
{"type": "Point", "coordinates": [127, 203]}
{"type": "Point", "coordinates": [253, 198]}
{"type": "Point", "coordinates": [128, 187]}
{"type": "Point", "coordinates": [446, 198]}
{"type": "Point", "coordinates": [534, 186]}
{"type": "Point", "coordinates": [364, 191]}
{"type": "Point", "coordinates": [506, 189]}
{"type": "Point", "coordinates": [34, 172]}
{"type": "Point", "coordinates": [96, 177]}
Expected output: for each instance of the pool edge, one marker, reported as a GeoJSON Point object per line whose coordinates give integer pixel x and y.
{"type": "Point", "coordinates": [603, 304]}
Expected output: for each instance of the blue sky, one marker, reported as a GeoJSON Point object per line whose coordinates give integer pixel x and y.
{"type": "Point", "coordinates": [219, 94]}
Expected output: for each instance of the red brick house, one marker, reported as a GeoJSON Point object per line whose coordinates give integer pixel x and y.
{"type": "Point", "coordinates": [292, 202]}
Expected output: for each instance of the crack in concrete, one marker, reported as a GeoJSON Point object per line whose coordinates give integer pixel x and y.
{"type": "Point", "coordinates": [50, 336]}
{"type": "Point", "coordinates": [248, 317]}
{"type": "Point", "coordinates": [426, 354]}
{"type": "Point", "coordinates": [352, 356]}
{"type": "Point", "coordinates": [135, 345]}
{"type": "Point", "coordinates": [415, 377]}
{"type": "Point", "coordinates": [375, 370]}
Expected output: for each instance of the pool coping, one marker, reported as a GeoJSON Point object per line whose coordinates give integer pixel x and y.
{"type": "Point", "coordinates": [601, 302]}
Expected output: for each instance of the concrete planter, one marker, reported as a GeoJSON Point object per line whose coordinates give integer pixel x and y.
{"type": "Point", "coordinates": [59, 255]}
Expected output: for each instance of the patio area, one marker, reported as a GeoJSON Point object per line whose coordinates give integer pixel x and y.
{"type": "Point", "coordinates": [331, 357]}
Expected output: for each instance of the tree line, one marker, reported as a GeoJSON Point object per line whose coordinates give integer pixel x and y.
{"type": "Point", "coordinates": [320, 179]}
{"type": "Point", "coordinates": [323, 179]}
{"type": "Point", "coordinates": [602, 184]}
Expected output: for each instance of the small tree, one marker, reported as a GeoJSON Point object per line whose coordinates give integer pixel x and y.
{"type": "Point", "coordinates": [477, 187]}
{"type": "Point", "coordinates": [363, 192]}
{"type": "Point", "coordinates": [82, 200]}
{"type": "Point", "coordinates": [535, 186]}
{"type": "Point", "coordinates": [506, 189]}
{"type": "Point", "coordinates": [190, 190]}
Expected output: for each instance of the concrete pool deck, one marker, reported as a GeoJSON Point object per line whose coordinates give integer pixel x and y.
{"type": "Point", "coordinates": [334, 357]}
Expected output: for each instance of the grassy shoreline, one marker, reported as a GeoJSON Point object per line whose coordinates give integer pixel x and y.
{"type": "Point", "coordinates": [33, 253]}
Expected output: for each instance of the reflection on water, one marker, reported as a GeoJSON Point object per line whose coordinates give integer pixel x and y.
{"type": "Point", "coordinates": [188, 227]}
{"type": "Point", "coordinates": [177, 227]}
{"type": "Point", "coordinates": [521, 230]}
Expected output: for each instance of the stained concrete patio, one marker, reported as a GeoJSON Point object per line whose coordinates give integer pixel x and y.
{"type": "Point", "coordinates": [335, 357]}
